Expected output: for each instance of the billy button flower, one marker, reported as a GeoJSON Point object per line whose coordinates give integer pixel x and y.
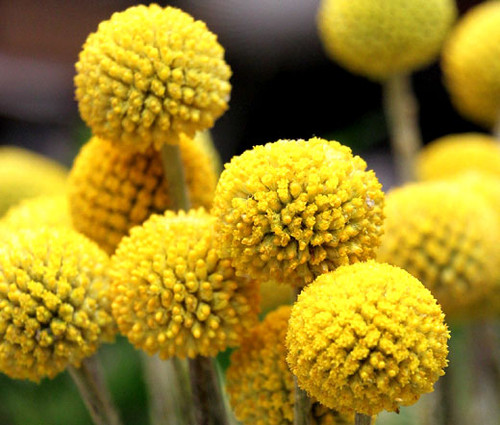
{"type": "Point", "coordinates": [365, 338]}
{"type": "Point", "coordinates": [149, 74]}
{"type": "Point", "coordinates": [294, 209]}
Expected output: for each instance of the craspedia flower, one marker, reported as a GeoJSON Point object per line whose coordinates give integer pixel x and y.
{"type": "Point", "coordinates": [25, 174]}
{"type": "Point", "coordinates": [273, 295]}
{"type": "Point", "coordinates": [445, 236]}
{"type": "Point", "coordinates": [381, 39]}
{"type": "Point", "coordinates": [293, 209]}
{"type": "Point", "coordinates": [454, 154]}
{"type": "Point", "coordinates": [173, 295]}
{"type": "Point", "coordinates": [367, 337]}
{"type": "Point", "coordinates": [471, 64]}
{"type": "Point", "coordinates": [150, 73]}
{"type": "Point", "coordinates": [259, 382]}
{"type": "Point", "coordinates": [112, 189]}
{"type": "Point", "coordinates": [54, 302]}
{"type": "Point", "coordinates": [206, 141]}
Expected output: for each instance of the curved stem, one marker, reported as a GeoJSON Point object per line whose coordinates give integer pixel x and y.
{"type": "Point", "coordinates": [361, 419]}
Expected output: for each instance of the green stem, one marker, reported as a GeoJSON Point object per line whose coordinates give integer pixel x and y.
{"type": "Point", "coordinates": [302, 406]}
{"type": "Point", "coordinates": [173, 168]}
{"type": "Point", "coordinates": [496, 128]}
{"type": "Point", "coordinates": [361, 419]}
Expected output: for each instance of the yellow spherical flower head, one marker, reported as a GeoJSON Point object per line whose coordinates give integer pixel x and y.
{"type": "Point", "coordinates": [173, 294]}
{"type": "Point", "coordinates": [25, 174]}
{"type": "Point", "coordinates": [259, 382]}
{"type": "Point", "coordinates": [206, 142]}
{"type": "Point", "coordinates": [293, 209]}
{"type": "Point", "coordinates": [112, 189]}
{"type": "Point", "coordinates": [54, 302]}
{"type": "Point", "coordinates": [367, 337]}
{"type": "Point", "coordinates": [454, 154]}
{"type": "Point", "coordinates": [378, 39]}
{"type": "Point", "coordinates": [150, 73]}
{"type": "Point", "coordinates": [445, 236]}
{"type": "Point", "coordinates": [471, 64]}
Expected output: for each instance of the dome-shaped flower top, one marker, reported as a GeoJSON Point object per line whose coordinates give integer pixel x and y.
{"type": "Point", "coordinates": [294, 209]}
{"type": "Point", "coordinates": [112, 189]}
{"type": "Point", "coordinates": [471, 64]}
{"type": "Point", "coordinates": [367, 337]}
{"type": "Point", "coordinates": [259, 382]}
{"type": "Point", "coordinates": [445, 236]}
{"type": "Point", "coordinates": [54, 302]}
{"type": "Point", "coordinates": [150, 73]}
{"type": "Point", "coordinates": [454, 154]}
{"type": "Point", "coordinates": [378, 39]}
{"type": "Point", "coordinates": [173, 294]}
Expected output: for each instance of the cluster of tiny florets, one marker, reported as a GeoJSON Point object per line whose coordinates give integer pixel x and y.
{"type": "Point", "coordinates": [172, 294]}
{"type": "Point", "coordinates": [294, 209]}
{"type": "Point", "coordinates": [55, 308]}
{"type": "Point", "coordinates": [150, 73]}
{"type": "Point", "coordinates": [367, 337]}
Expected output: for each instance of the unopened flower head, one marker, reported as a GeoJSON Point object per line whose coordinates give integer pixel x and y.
{"type": "Point", "coordinates": [55, 308]}
{"type": "Point", "coordinates": [173, 294]}
{"type": "Point", "coordinates": [293, 209]}
{"type": "Point", "coordinates": [367, 337]}
{"type": "Point", "coordinates": [149, 74]}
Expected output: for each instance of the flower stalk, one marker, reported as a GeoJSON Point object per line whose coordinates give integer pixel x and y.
{"type": "Point", "coordinates": [361, 419]}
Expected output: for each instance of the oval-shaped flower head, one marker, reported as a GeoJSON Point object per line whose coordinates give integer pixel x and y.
{"type": "Point", "coordinates": [173, 294]}
{"type": "Point", "coordinates": [293, 209]}
{"type": "Point", "coordinates": [378, 39]}
{"type": "Point", "coordinates": [55, 308]}
{"type": "Point", "coordinates": [25, 174]}
{"type": "Point", "coordinates": [367, 337]}
{"type": "Point", "coordinates": [150, 73]}
{"type": "Point", "coordinates": [454, 154]}
{"type": "Point", "coordinates": [260, 384]}
{"type": "Point", "coordinates": [112, 189]}
{"type": "Point", "coordinates": [445, 236]}
{"type": "Point", "coordinates": [471, 64]}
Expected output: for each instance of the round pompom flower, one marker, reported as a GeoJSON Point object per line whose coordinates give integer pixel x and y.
{"type": "Point", "coordinates": [112, 189]}
{"type": "Point", "coordinates": [471, 64]}
{"type": "Point", "coordinates": [445, 236]}
{"type": "Point", "coordinates": [367, 337]}
{"type": "Point", "coordinates": [55, 308]}
{"type": "Point", "coordinates": [150, 73]}
{"type": "Point", "coordinates": [173, 294]}
{"type": "Point", "coordinates": [294, 209]}
{"type": "Point", "coordinates": [259, 382]}
{"type": "Point", "coordinates": [378, 39]}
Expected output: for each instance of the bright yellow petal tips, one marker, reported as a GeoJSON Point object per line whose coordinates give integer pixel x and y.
{"type": "Point", "coordinates": [149, 74]}
{"type": "Point", "coordinates": [54, 302]}
{"type": "Point", "coordinates": [259, 382]}
{"type": "Point", "coordinates": [378, 39]}
{"type": "Point", "coordinates": [294, 209]}
{"type": "Point", "coordinates": [471, 64]}
{"type": "Point", "coordinates": [173, 294]}
{"type": "Point", "coordinates": [367, 337]}
{"type": "Point", "coordinates": [112, 189]}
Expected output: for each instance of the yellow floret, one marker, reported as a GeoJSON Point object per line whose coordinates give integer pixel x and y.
{"type": "Point", "coordinates": [25, 174]}
{"type": "Point", "coordinates": [149, 74]}
{"type": "Point", "coordinates": [445, 236]}
{"type": "Point", "coordinates": [54, 302]}
{"type": "Point", "coordinates": [367, 337]}
{"type": "Point", "coordinates": [173, 294]}
{"type": "Point", "coordinates": [112, 189]}
{"type": "Point", "coordinates": [471, 64]}
{"type": "Point", "coordinates": [294, 209]}
{"type": "Point", "coordinates": [378, 39]}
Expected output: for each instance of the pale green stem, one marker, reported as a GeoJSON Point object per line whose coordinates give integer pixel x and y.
{"type": "Point", "coordinates": [173, 168]}
{"type": "Point", "coordinates": [361, 419]}
{"type": "Point", "coordinates": [496, 128]}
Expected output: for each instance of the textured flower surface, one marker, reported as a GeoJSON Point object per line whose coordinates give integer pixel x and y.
{"type": "Point", "coordinates": [112, 189]}
{"type": "Point", "coordinates": [150, 73]}
{"type": "Point", "coordinates": [445, 236]}
{"type": "Point", "coordinates": [294, 209]}
{"type": "Point", "coordinates": [471, 64]}
{"type": "Point", "coordinates": [55, 308]}
{"type": "Point", "coordinates": [367, 337]}
{"type": "Point", "coordinates": [173, 294]}
{"type": "Point", "coordinates": [259, 382]}
{"type": "Point", "coordinates": [454, 154]}
{"type": "Point", "coordinates": [378, 39]}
